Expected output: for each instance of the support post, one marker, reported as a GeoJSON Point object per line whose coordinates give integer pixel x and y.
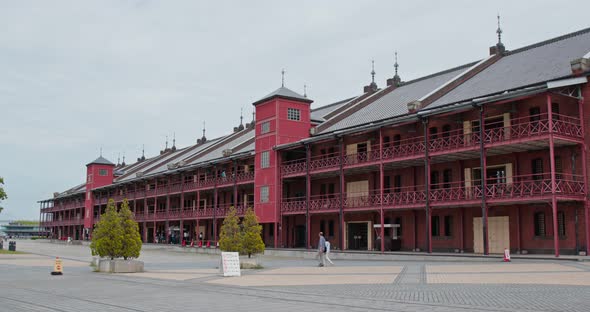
{"type": "Point", "coordinates": [341, 189]}
{"type": "Point", "coordinates": [553, 184]}
{"type": "Point", "coordinates": [215, 200]}
{"type": "Point", "coordinates": [427, 186]}
{"type": "Point", "coordinates": [483, 164]}
{"type": "Point", "coordinates": [307, 196]}
{"type": "Point", "coordinates": [381, 180]}
{"type": "Point", "coordinates": [182, 208]}
{"type": "Point", "coordinates": [583, 150]}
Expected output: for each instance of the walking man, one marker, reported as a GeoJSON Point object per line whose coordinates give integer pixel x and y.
{"type": "Point", "coordinates": [322, 250]}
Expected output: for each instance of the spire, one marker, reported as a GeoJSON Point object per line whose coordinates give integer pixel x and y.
{"type": "Point", "coordinates": [142, 158]}
{"type": "Point", "coordinates": [123, 163]}
{"type": "Point", "coordinates": [373, 86]}
{"type": "Point", "coordinates": [499, 47]}
{"type": "Point", "coordinates": [499, 31]}
{"type": "Point", "coordinates": [283, 78]}
{"type": "Point", "coordinates": [395, 65]}
{"type": "Point", "coordinates": [119, 159]}
{"type": "Point", "coordinates": [304, 90]}
{"type": "Point", "coordinates": [203, 139]}
{"type": "Point", "coordinates": [241, 126]}
{"type": "Point", "coordinates": [174, 141]}
{"type": "Point", "coordinates": [372, 72]}
{"type": "Point", "coordinates": [166, 148]}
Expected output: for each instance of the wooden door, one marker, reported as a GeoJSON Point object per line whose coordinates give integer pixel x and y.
{"type": "Point", "coordinates": [498, 234]}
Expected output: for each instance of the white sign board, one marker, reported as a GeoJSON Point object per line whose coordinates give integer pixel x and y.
{"type": "Point", "coordinates": [230, 263]}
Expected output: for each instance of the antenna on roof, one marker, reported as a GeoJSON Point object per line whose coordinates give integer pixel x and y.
{"type": "Point", "coordinates": [118, 158]}
{"type": "Point", "coordinates": [241, 115]}
{"type": "Point", "coordinates": [283, 78]}
{"type": "Point", "coordinates": [123, 163]}
{"type": "Point", "coordinates": [166, 143]}
{"type": "Point", "coordinates": [304, 90]}
{"type": "Point", "coordinates": [143, 151]}
{"type": "Point", "coordinates": [173, 139]}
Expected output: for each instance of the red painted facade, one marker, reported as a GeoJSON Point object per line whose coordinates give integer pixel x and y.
{"type": "Point", "coordinates": [510, 173]}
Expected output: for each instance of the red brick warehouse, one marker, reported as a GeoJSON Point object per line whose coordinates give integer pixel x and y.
{"type": "Point", "coordinates": [481, 157]}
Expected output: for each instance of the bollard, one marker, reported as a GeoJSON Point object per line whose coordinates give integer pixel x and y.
{"type": "Point", "coordinates": [57, 267]}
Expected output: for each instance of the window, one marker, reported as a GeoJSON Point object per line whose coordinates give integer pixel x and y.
{"type": "Point", "coordinates": [561, 224]}
{"type": "Point", "coordinates": [102, 172]}
{"type": "Point", "coordinates": [537, 168]}
{"type": "Point", "coordinates": [293, 114]}
{"type": "Point", "coordinates": [539, 224]}
{"type": "Point", "coordinates": [555, 111]}
{"type": "Point", "coordinates": [265, 127]}
{"type": "Point", "coordinates": [434, 180]}
{"type": "Point", "coordinates": [433, 132]}
{"type": "Point", "coordinates": [331, 190]}
{"type": "Point", "coordinates": [435, 226]}
{"type": "Point", "coordinates": [448, 225]}
{"type": "Point", "coordinates": [447, 178]}
{"type": "Point", "coordinates": [323, 226]}
{"type": "Point", "coordinates": [385, 140]}
{"type": "Point", "coordinates": [396, 139]}
{"type": "Point", "coordinates": [265, 159]}
{"type": "Point", "coordinates": [264, 194]}
{"type": "Point", "coordinates": [271, 230]}
{"type": "Point", "coordinates": [386, 184]}
{"type": "Point", "coordinates": [558, 168]}
{"type": "Point", "coordinates": [331, 228]}
{"type": "Point", "coordinates": [446, 131]}
{"type": "Point", "coordinates": [397, 183]}
{"type": "Point", "coordinates": [89, 179]}
{"type": "Point", "coordinates": [323, 189]}
{"type": "Point", "coordinates": [535, 114]}
{"type": "Point", "coordinates": [398, 221]}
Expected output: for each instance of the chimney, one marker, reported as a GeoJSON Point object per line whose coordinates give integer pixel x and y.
{"type": "Point", "coordinates": [414, 106]}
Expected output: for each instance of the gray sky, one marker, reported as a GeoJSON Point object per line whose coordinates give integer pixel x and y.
{"type": "Point", "coordinates": [77, 75]}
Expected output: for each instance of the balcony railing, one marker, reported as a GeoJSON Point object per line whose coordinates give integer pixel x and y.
{"type": "Point", "coordinates": [517, 188]}
{"type": "Point", "coordinates": [529, 127]}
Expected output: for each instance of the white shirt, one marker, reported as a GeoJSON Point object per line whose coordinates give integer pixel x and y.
{"type": "Point", "coordinates": [327, 246]}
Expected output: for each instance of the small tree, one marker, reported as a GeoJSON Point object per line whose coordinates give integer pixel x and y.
{"type": "Point", "coordinates": [251, 234]}
{"type": "Point", "coordinates": [107, 238]}
{"type": "Point", "coordinates": [2, 193]}
{"type": "Point", "coordinates": [229, 238]}
{"type": "Point", "coordinates": [131, 238]}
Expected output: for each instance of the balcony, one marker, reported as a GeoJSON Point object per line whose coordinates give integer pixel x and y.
{"type": "Point", "coordinates": [567, 130]}
{"type": "Point", "coordinates": [517, 189]}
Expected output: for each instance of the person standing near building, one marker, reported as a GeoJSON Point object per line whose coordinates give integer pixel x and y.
{"type": "Point", "coordinates": [322, 250]}
{"type": "Point", "coordinates": [328, 252]}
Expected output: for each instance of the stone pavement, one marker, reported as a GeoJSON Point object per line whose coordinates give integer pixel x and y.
{"type": "Point", "coordinates": [176, 281]}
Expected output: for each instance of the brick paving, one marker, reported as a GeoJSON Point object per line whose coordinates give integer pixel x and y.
{"type": "Point", "coordinates": [187, 281]}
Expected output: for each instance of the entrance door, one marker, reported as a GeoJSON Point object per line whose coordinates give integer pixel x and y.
{"type": "Point", "coordinates": [498, 234]}
{"type": "Point", "coordinates": [300, 236]}
{"type": "Point", "coordinates": [358, 235]}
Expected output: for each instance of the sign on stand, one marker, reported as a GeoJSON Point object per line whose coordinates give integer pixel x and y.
{"type": "Point", "coordinates": [230, 263]}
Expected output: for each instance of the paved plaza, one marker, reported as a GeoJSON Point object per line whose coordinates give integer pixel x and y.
{"type": "Point", "coordinates": [175, 281]}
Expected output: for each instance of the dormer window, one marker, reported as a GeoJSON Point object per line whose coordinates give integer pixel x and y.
{"type": "Point", "coordinates": [293, 114]}
{"type": "Point", "coordinates": [102, 172]}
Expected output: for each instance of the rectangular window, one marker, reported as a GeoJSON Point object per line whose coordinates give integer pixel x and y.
{"type": "Point", "coordinates": [331, 190]}
{"type": "Point", "coordinates": [264, 194]}
{"type": "Point", "coordinates": [323, 226]}
{"type": "Point", "coordinates": [434, 180]}
{"type": "Point", "coordinates": [293, 114]}
{"type": "Point", "coordinates": [433, 133]}
{"type": "Point", "coordinates": [265, 127]}
{"type": "Point", "coordinates": [102, 172]}
{"type": "Point", "coordinates": [435, 226]}
{"type": "Point", "coordinates": [561, 223]}
{"type": "Point", "coordinates": [539, 224]}
{"type": "Point", "coordinates": [447, 178]}
{"type": "Point", "coordinates": [265, 159]}
{"type": "Point", "coordinates": [331, 228]}
{"type": "Point", "coordinates": [534, 114]}
{"type": "Point", "coordinates": [537, 168]}
{"type": "Point", "coordinates": [397, 183]}
{"type": "Point", "coordinates": [448, 225]}
{"type": "Point", "coordinates": [558, 168]}
{"type": "Point", "coordinates": [386, 184]}
{"type": "Point", "coordinates": [555, 111]}
{"type": "Point", "coordinates": [271, 230]}
{"type": "Point", "coordinates": [323, 189]}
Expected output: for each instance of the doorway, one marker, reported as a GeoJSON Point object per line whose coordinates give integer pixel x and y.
{"type": "Point", "coordinates": [299, 236]}
{"type": "Point", "coordinates": [357, 235]}
{"type": "Point", "coordinates": [498, 234]}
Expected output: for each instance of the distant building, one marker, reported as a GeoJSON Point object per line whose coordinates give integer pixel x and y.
{"type": "Point", "coordinates": [16, 229]}
{"type": "Point", "coordinates": [477, 158]}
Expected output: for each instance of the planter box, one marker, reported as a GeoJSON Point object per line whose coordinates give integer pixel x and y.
{"type": "Point", "coordinates": [120, 266]}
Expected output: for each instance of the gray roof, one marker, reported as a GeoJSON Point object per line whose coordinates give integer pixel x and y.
{"type": "Point", "coordinates": [284, 93]}
{"type": "Point", "coordinates": [319, 113]}
{"type": "Point", "coordinates": [100, 161]}
{"type": "Point", "coordinates": [538, 63]}
{"type": "Point", "coordinates": [395, 102]}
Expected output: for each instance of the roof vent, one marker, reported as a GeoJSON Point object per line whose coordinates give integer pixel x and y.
{"type": "Point", "coordinates": [580, 65]}
{"type": "Point", "coordinates": [227, 152]}
{"type": "Point", "coordinates": [414, 106]}
{"type": "Point", "coordinates": [313, 130]}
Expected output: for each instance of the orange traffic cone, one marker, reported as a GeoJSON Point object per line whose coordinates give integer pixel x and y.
{"type": "Point", "coordinates": [506, 255]}
{"type": "Point", "coordinates": [57, 267]}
